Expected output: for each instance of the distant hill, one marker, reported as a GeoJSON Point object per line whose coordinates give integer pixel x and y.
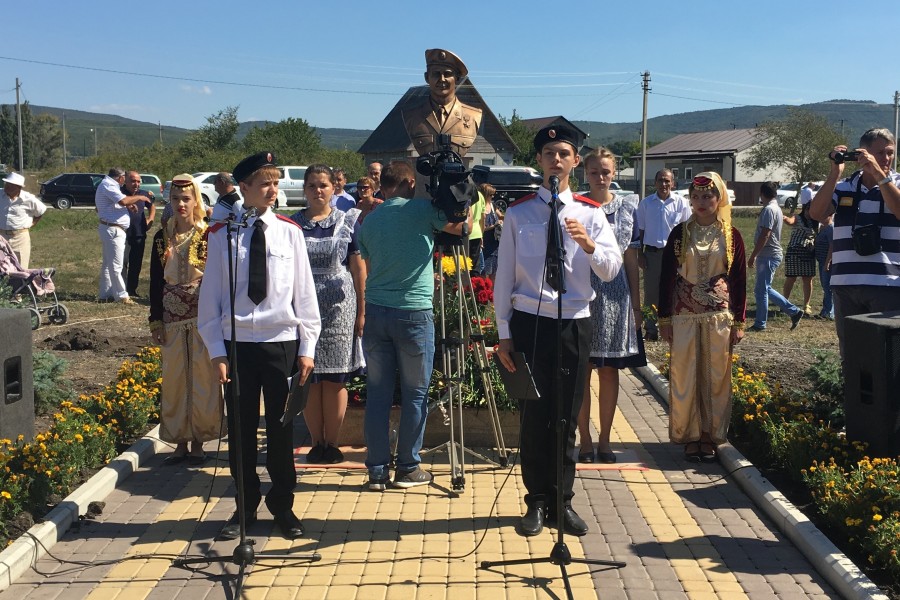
{"type": "Point", "coordinates": [141, 133]}
{"type": "Point", "coordinates": [857, 116]}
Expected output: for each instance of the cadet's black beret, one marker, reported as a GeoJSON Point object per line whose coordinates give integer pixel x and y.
{"type": "Point", "coordinates": [554, 133]}
{"type": "Point", "coordinates": [251, 164]}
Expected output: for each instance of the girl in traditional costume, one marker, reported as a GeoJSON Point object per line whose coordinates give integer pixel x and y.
{"type": "Point", "coordinates": [191, 406]}
{"type": "Point", "coordinates": [702, 307]}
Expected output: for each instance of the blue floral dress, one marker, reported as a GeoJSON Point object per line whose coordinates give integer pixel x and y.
{"type": "Point", "coordinates": [615, 341]}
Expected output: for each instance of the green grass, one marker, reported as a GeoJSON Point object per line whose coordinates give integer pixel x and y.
{"type": "Point", "coordinates": [745, 221]}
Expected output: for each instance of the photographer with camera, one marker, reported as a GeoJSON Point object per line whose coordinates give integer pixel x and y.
{"type": "Point", "coordinates": [865, 265]}
{"type": "Point", "coordinates": [397, 242]}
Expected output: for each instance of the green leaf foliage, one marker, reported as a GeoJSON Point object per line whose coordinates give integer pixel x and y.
{"type": "Point", "coordinates": [800, 142]}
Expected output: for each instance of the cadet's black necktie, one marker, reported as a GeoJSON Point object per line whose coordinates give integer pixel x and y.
{"type": "Point", "coordinates": [554, 245]}
{"type": "Point", "coordinates": [256, 287]}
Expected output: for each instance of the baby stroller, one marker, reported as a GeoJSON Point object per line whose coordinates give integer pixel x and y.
{"type": "Point", "coordinates": [31, 288]}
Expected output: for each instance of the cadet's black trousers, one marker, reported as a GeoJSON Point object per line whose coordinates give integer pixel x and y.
{"type": "Point", "coordinates": [538, 446]}
{"type": "Point", "coordinates": [263, 366]}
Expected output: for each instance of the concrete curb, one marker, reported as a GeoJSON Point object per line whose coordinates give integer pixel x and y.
{"type": "Point", "coordinates": [849, 581]}
{"type": "Point", "coordinates": [19, 556]}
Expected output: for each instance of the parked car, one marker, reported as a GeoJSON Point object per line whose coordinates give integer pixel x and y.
{"type": "Point", "coordinates": [68, 189]}
{"type": "Point", "coordinates": [511, 183]}
{"type": "Point", "coordinates": [617, 189]}
{"type": "Point", "coordinates": [151, 183]}
{"type": "Point", "coordinates": [291, 183]}
{"type": "Point", "coordinates": [787, 194]}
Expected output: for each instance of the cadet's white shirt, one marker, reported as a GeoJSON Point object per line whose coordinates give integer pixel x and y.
{"type": "Point", "coordinates": [520, 283]}
{"type": "Point", "coordinates": [290, 310]}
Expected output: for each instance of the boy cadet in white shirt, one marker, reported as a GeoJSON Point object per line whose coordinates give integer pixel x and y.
{"type": "Point", "coordinates": [277, 326]}
{"type": "Point", "coordinates": [526, 308]}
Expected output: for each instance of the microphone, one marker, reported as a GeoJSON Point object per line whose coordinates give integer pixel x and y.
{"type": "Point", "coordinates": [554, 187]}
{"type": "Point", "coordinates": [249, 214]}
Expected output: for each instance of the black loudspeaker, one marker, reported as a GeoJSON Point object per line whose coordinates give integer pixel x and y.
{"type": "Point", "coordinates": [17, 393]}
{"type": "Point", "coordinates": [872, 381]}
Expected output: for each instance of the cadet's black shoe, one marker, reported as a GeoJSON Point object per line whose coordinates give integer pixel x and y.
{"type": "Point", "coordinates": [574, 524]}
{"type": "Point", "coordinates": [290, 525]}
{"type": "Point", "coordinates": [232, 529]}
{"type": "Point", "coordinates": [532, 522]}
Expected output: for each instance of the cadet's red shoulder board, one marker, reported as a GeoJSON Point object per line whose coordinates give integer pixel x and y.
{"type": "Point", "coordinates": [286, 220]}
{"type": "Point", "coordinates": [522, 199]}
{"type": "Point", "coordinates": [214, 228]}
{"type": "Point", "coordinates": [586, 200]}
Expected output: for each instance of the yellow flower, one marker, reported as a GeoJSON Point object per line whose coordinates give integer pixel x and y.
{"type": "Point", "coordinates": [6, 495]}
{"type": "Point", "coordinates": [79, 438]}
{"type": "Point", "coordinates": [877, 518]}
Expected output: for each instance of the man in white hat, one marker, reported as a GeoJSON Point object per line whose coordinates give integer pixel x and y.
{"type": "Point", "coordinates": [19, 211]}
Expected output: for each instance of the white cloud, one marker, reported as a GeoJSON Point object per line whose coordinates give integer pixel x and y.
{"type": "Point", "coordinates": [202, 90]}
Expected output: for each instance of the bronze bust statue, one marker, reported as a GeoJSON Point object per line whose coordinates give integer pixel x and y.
{"type": "Point", "coordinates": [442, 112]}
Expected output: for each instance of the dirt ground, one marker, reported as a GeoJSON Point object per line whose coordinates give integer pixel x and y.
{"type": "Point", "coordinates": [95, 347]}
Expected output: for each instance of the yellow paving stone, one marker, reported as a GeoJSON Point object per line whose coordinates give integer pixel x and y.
{"type": "Point", "coordinates": [253, 593]}
{"type": "Point", "coordinates": [282, 593]}
{"type": "Point", "coordinates": [728, 589]}
{"type": "Point", "coordinates": [435, 591]}
{"type": "Point", "coordinates": [104, 593]}
{"type": "Point", "coordinates": [341, 592]}
{"type": "Point", "coordinates": [375, 592]}
{"type": "Point", "coordinates": [692, 586]}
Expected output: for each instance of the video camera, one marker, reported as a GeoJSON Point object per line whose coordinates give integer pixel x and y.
{"type": "Point", "coordinates": [841, 157]}
{"type": "Point", "coordinates": [451, 187]}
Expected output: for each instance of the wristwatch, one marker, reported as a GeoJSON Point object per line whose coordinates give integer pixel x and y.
{"type": "Point", "coordinates": [887, 179]}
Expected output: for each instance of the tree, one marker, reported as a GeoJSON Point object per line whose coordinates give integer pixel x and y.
{"type": "Point", "coordinates": [45, 142]}
{"type": "Point", "coordinates": [217, 135]}
{"type": "Point", "coordinates": [523, 136]}
{"type": "Point", "coordinates": [800, 143]}
{"type": "Point", "coordinates": [293, 141]}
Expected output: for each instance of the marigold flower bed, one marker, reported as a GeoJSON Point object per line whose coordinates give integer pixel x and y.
{"type": "Point", "coordinates": [83, 435]}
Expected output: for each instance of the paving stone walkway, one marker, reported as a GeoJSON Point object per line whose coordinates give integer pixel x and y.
{"type": "Point", "coordinates": [684, 531]}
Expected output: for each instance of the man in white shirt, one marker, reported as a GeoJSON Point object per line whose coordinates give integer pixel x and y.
{"type": "Point", "coordinates": [657, 216]}
{"type": "Point", "coordinates": [19, 212]}
{"type": "Point", "coordinates": [112, 208]}
{"type": "Point", "coordinates": [341, 200]}
{"type": "Point", "coordinates": [527, 311]}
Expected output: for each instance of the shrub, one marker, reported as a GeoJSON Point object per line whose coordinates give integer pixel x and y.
{"type": "Point", "coordinates": [50, 389]}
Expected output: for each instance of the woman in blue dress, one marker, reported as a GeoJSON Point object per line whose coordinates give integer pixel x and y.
{"type": "Point", "coordinates": [615, 311]}
{"type": "Point", "coordinates": [340, 277]}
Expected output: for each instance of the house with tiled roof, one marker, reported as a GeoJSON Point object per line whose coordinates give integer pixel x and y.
{"type": "Point", "coordinates": [724, 152]}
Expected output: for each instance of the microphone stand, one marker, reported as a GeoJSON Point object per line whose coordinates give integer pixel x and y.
{"type": "Point", "coordinates": [243, 554]}
{"type": "Point", "coordinates": [554, 267]}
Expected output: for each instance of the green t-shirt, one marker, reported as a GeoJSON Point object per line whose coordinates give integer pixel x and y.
{"type": "Point", "coordinates": [397, 239]}
{"type": "Point", "coordinates": [477, 212]}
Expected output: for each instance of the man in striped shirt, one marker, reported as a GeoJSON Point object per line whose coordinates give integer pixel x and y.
{"type": "Point", "coordinates": [865, 277]}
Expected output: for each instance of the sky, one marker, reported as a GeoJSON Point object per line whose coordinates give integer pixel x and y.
{"type": "Point", "coordinates": [345, 64]}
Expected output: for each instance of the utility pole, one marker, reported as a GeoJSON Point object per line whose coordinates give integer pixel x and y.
{"type": "Point", "coordinates": [19, 123]}
{"type": "Point", "coordinates": [646, 87]}
{"type": "Point", "coordinates": [65, 154]}
{"type": "Point", "coordinates": [160, 132]}
{"type": "Point", "coordinates": [896, 122]}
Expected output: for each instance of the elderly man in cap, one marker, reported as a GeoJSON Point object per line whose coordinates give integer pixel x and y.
{"type": "Point", "coordinates": [442, 112]}
{"type": "Point", "coordinates": [276, 328]}
{"type": "Point", "coordinates": [19, 211]}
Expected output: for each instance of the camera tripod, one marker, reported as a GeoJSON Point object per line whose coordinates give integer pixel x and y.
{"type": "Point", "coordinates": [453, 365]}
